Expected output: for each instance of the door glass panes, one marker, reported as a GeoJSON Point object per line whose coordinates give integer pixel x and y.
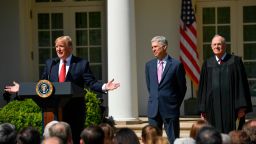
{"type": "Point", "coordinates": [208, 15]}
{"type": "Point", "coordinates": [249, 14]}
{"type": "Point", "coordinates": [249, 32]}
{"type": "Point", "coordinates": [215, 20]}
{"type": "Point", "coordinates": [223, 15]}
{"type": "Point", "coordinates": [94, 20]}
{"type": "Point", "coordinates": [81, 20]}
{"type": "Point", "coordinates": [249, 43]}
{"type": "Point", "coordinates": [95, 37]}
{"type": "Point", "coordinates": [50, 26]}
{"type": "Point", "coordinates": [81, 37]}
{"type": "Point", "coordinates": [89, 39]}
{"type": "Point", "coordinates": [208, 33]}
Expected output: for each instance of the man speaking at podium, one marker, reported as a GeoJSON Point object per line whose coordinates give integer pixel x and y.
{"type": "Point", "coordinates": [69, 68]}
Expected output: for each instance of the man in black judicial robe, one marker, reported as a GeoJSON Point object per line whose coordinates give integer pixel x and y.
{"type": "Point", "coordinates": [224, 96]}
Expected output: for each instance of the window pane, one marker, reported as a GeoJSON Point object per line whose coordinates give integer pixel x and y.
{"type": "Point", "coordinates": [207, 50]}
{"type": "Point", "coordinates": [43, 21]}
{"type": "Point", "coordinates": [81, 38]}
{"type": "Point", "coordinates": [54, 54]}
{"type": "Point", "coordinates": [224, 31]}
{"type": "Point", "coordinates": [57, 21]}
{"type": "Point", "coordinates": [252, 84]}
{"type": "Point", "coordinates": [82, 52]}
{"type": "Point", "coordinates": [44, 54]}
{"type": "Point", "coordinates": [95, 37]}
{"type": "Point", "coordinates": [250, 68]}
{"type": "Point", "coordinates": [94, 20]}
{"type": "Point", "coordinates": [96, 70]}
{"type": "Point", "coordinates": [208, 33]}
{"type": "Point", "coordinates": [249, 14]}
{"type": "Point", "coordinates": [44, 38]}
{"type": "Point", "coordinates": [208, 15]}
{"type": "Point", "coordinates": [95, 54]}
{"type": "Point", "coordinates": [223, 15]}
{"type": "Point", "coordinates": [249, 32]}
{"type": "Point", "coordinates": [41, 69]}
{"type": "Point", "coordinates": [250, 51]}
{"type": "Point", "coordinates": [81, 20]}
{"type": "Point", "coordinates": [228, 48]}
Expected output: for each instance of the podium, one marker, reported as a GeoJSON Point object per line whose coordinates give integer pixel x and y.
{"type": "Point", "coordinates": [51, 106]}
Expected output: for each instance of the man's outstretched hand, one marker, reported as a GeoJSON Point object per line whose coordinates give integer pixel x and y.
{"type": "Point", "coordinates": [111, 85]}
{"type": "Point", "coordinates": [12, 89]}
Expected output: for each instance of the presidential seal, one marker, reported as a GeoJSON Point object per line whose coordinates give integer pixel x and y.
{"type": "Point", "coordinates": [44, 88]}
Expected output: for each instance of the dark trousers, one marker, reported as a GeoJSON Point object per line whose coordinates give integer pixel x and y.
{"type": "Point", "coordinates": [171, 126]}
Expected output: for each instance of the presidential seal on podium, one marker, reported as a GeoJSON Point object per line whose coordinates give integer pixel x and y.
{"type": "Point", "coordinates": [44, 88]}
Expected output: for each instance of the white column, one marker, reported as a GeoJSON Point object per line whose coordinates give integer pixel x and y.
{"type": "Point", "coordinates": [123, 102]}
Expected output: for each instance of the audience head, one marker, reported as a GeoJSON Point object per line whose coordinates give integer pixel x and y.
{"type": "Point", "coordinates": [28, 135]}
{"type": "Point", "coordinates": [108, 133]}
{"type": "Point", "coordinates": [46, 133]}
{"type": "Point", "coordinates": [8, 133]}
{"type": "Point", "coordinates": [239, 137]}
{"type": "Point", "coordinates": [196, 127]}
{"type": "Point", "coordinates": [52, 140]}
{"type": "Point", "coordinates": [149, 132]}
{"type": "Point", "coordinates": [62, 130]}
{"type": "Point", "coordinates": [226, 139]}
{"type": "Point", "coordinates": [184, 140]}
{"type": "Point", "coordinates": [250, 128]}
{"type": "Point", "coordinates": [125, 136]}
{"type": "Point", "coordinates": [208, 135]}
{"type": "Point", "coordinates": [92, 135]}
{"type": "Point", "coordinates": [160, 140]}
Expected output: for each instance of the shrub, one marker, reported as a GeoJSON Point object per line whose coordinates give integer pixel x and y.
{"type": "Point", "coordinates": [93, 111]}
{"type": "Point", "coordinates": [22, 113]}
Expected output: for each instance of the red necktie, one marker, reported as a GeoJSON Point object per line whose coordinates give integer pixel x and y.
{"type": "Point", "coordinates": [62, 75]}
{"type": "Point", "coordinates": [160, 71]}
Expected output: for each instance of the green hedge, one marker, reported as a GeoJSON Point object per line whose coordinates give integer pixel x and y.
{"type": "Point", "coordinates": [93, 111]}
{"type": "Point", "coordinates": [22, 114]}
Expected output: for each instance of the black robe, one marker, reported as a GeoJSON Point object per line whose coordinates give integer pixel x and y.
{"type": "Point", "coordinates": [223, 90]}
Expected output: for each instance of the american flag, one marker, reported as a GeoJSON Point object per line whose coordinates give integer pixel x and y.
{"type": "Point", "coordinates": [188, 41]}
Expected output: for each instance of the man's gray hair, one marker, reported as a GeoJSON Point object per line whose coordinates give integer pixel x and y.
{"type": "Point", "coordinates": [160, 39]}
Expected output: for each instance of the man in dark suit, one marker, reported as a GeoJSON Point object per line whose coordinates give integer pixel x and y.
{"type": "Point", "coordinates": [77, 70]}
{"type": "Point", "coordinates": [166, 83]}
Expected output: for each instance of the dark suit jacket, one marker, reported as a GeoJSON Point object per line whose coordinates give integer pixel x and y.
{"type": "Point", "coordinates": [167, 96]}
{"type": "Point", "coordinates": [79, 73]}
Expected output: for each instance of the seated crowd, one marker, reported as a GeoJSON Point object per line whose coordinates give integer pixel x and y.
{"type": "Point", "coordinates": [58, 132]}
